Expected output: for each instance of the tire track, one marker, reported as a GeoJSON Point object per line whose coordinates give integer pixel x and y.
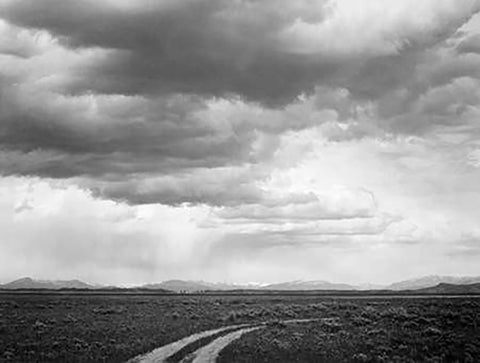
{"type": "Point", "coordinates": [210, 351]}
{"type": "Point", "coordinates": [161, 354]}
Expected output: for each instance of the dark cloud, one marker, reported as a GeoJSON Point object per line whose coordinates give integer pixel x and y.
{"type": "Point", "coordinates": [214, 186]}
{"type": "Point", "coordinates": [168, 150]}
{"type": "Point", "coordinates": [52, 135]}
{"type": "Point", "coordinates": [438, 89]}
{"type": "Point", "coordinates": [220, 48]}
{"type": "Point", "coordinates": [201, 47]}
{"type": "Point", "coordinates": [172, 102]}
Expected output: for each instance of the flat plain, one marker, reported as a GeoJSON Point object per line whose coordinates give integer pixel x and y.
{"type": "Point", "coordinates": [118, 327]}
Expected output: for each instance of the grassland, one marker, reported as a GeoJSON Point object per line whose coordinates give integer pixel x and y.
{"type": "Point", "coordinates": [85, 328]}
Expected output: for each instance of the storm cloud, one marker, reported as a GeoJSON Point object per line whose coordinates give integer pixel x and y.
{"type": "Point", "coordinates": [296, 123]}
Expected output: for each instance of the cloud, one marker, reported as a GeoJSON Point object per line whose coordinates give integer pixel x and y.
{"type": "Point", "coordinates": [135, 111]}
{"type": "Point", "coordinates": [474, 158]}
{"type": "Point", "coordinates": [339, 216]}
{"type": "Point", "coordinates": [212, 186]}
{"type": "Point", "coordinates": [152, 150]}
{"type": "Point", "coordinates": [257, 49]}
{"type": "Point", "coordinates": [50, 226]}
{"type": "Point", "coordinates": [470, 45]}
{"type": "Point", "coordinates": [343, 127]}
{"type": "Point", "coordinates": [467, 246]}
{"type": "Point", "coordinates": [333, 204]}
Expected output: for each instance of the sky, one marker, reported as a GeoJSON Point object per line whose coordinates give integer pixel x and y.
{"type": "Point", "coordinates": [239, 141]}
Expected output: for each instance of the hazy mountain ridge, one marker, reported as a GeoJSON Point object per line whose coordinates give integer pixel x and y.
{"type": "Point", "coordinates": [29, 283]}
{"type": "Point", "coordinates": [309, 285]}
{"type": "Point", "coordinates": [177, 286]}
{"type": "Point", "coordinates": [192, 286]}
{"type": "Point", "coordinates": [435, 283]}
{"type": "Point", "coordinates": [444, 288]}
{"type": "Point", "coordinates": [432, 280]}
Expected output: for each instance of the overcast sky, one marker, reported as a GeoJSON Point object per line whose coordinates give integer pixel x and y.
{"type": "Point", "coordinates": [239, 141]}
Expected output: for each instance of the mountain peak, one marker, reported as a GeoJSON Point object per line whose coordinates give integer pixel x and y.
{"type": "Point", "coordinates": [23, 279]}
{"type": "Point", "coordinates": [432, 280]}
{"type": "Point", "coordinates": [29, 283]}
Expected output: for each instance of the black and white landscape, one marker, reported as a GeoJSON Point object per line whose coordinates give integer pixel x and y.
{"type": "Point", "coordinates": [269, 180]}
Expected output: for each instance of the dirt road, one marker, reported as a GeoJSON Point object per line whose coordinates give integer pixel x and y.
{"type": "Point", "coordinates": [161, 354]}
{"type": "Point", "coordinates": [209, 352]}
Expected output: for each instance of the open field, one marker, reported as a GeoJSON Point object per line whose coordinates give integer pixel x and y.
{"type": "Point", "coordinates": [89, 328]}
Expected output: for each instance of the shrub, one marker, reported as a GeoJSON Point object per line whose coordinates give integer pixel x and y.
{"type": "Point", "coordinates": [360, 357]}
{"type": "Point", "coordinates": [431, 330]}
{"type": "Point", "coordinates": [231, 317]}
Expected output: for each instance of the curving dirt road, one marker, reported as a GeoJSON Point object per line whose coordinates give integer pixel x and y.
{"type": "Point", "coordinates": [161, 354]}
{"type": "Point", "coordinates": [209, 352]}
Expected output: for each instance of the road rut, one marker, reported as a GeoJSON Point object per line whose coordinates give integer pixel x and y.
{"type": "Point", "coordinates": [161, 354]}
{"type": "Point", "coordinates": [210, 351]}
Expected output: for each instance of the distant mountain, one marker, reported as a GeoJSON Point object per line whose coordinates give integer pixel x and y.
{"type": "Point", "coordinates": [178, 286]}
{"type": "Point", "coordinates": [367, 286]}
{"type": "Point", "coordinates": [414, 284]}
{"type": "Point", "coordinates": [430, 281]}
{"type": "Point", "coordinates": [187, 286]}
{"type": "Point", "coordinates": [29, 283]}
{"type": "Point", "coordinates": [444, 288]}
{"type": "Point", "coordinates": [194, 286]}
{"type": "Point", "coordinates": [308, 285]}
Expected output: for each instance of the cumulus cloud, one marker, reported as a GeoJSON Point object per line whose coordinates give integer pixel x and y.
{"type": "Point", "coordinates": [257, 49]}
{"type": "Point", "coordinates": [308, 123]}
{"type": "Point", "coordinates": [152, 103]}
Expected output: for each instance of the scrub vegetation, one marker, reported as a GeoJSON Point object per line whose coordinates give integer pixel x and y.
{"type": "Point", "coordinates": [112, 328]}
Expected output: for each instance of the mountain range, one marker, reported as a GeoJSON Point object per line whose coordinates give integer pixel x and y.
{"type": "Point", "coordinates": [444, 288]}
{"type": "Point", "coordinates": [429, 281]}
{"type": "Point", "coordinates": [29, 283]}
{"type": "Point", "coordinates": [419, 284]}
{"type": "Point", "coordinates": [412, 284]}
